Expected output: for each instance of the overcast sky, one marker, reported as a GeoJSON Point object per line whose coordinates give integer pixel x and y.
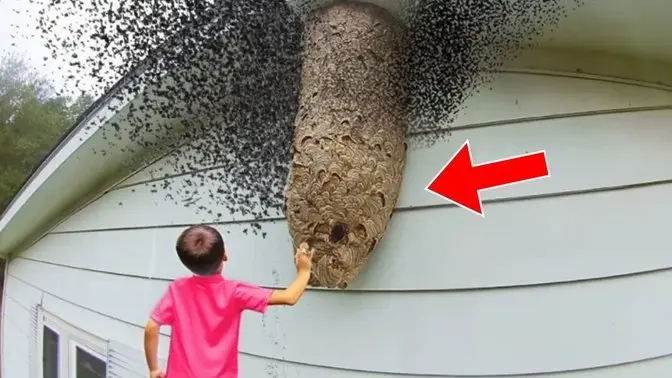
{"type": "Point", "coordinates": [21, 29]}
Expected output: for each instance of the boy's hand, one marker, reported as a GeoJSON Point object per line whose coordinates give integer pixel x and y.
{"type": "Point", "coordinates": [303, 259]}
{"type": "Point", "coordinates": [156, 374]}
{"type": "Point", "coordinates": [290, 296]}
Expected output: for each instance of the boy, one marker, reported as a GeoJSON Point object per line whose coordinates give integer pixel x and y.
{"type": "Point", "coordinates": [204, 310]}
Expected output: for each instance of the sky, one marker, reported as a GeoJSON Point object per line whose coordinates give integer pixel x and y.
{"type": "Point", "coordinates": [20, 28]}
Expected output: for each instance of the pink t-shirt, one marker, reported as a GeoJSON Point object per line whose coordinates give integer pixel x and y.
{"type": "Point", "coordinates": [204, 315]}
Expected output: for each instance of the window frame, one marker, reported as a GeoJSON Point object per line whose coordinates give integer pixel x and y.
{"type": "Point", "coordinates": [40, 347]}
{"type": "Point", "coordinates": [72, 354]}
{"type": "Point", "coordinates": [69, 338]}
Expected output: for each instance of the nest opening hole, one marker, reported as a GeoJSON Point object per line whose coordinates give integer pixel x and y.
{"type": "Point", "coordinates": [338, 232]}
{"type": "Point", "coordinates": [381, 197]}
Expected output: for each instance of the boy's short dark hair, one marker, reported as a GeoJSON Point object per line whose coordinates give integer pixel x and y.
{"type": "Point", "coordinates": [201, 249]}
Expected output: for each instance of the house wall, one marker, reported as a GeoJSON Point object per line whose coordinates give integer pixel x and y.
{"type": "Point", "coordinates": [566, 274]}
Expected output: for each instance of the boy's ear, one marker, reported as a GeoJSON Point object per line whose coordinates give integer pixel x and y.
{"type": "Point", "coordinates": [226, 258]}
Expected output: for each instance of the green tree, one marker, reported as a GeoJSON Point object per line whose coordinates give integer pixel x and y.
{"type": "Point", "coordinates": [32, 119]}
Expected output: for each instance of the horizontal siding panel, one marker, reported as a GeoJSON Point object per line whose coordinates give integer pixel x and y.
{"type": "Point", "coordinates": [547, 240]}
{"type": "Point", "coordinates": [109, 251]}
{"type": "Point", "coordinates": [125, 361]}
{"type": "Point", "coordinates": [18, 316]}
{"type": "Point", "coordinates": [580, 155]}
{"type": "Point", "coordinates": [510, 96]}
{"type": "Point", "coordinates": [491, 332]}
{"type": "Point", "coordinates": [252, 366]}
{"type": "Point", "coordinates": [15, 361]}
{"type": "Point", "coordinates": [25, 295]}
{"type": "Point", "coordinates": [114, 371]}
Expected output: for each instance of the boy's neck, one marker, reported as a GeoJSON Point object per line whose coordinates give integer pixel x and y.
{"type": "Point", "coordinates": [217, 273]}
{"type": "Point", "coordinates": [210, 277]}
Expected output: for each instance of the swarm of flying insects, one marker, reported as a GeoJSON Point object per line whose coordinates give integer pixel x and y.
{"type": "Point", "coordinates": [219, 82]}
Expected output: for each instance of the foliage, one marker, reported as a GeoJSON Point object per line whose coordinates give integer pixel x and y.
{"type": "Point", "coordinates": [32, 119]}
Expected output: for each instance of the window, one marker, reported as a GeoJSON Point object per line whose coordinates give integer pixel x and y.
{"type": "Point", "coordinates": [88, 364]}
{"type": "Point", "coordinates": [50, 340]}
{"type": "Point", "coordinates": [68, 351]}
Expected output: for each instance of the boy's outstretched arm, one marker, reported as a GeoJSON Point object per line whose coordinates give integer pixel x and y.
{"type": "Point", "coordinates": [291, 295]}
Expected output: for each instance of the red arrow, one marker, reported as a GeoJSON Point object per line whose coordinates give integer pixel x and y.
{"type": "Point", "coordinates": [460, 180]}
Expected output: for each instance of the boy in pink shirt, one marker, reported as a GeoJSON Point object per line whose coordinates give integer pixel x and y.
{"type": "Point", "coordinates": [204, 310]}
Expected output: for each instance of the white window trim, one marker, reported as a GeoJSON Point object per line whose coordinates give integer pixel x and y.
{"type": "Point", "coordinates": [40, 345]}
{"type": "Point", "coordinates": [72, 350]}
{"type": "Point", "coordinates": [69, 337]}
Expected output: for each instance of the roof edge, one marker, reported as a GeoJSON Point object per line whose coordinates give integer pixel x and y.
{"type": "Point", "coordinates": [67, 137]}
{"type": "Point", "coordinates": [81, 121]}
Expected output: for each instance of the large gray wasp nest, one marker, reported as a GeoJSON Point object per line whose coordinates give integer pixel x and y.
{"type": "Point", "coordinates": [365, 75]}
{"type": "Point", "coordinates": [348, 146]}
